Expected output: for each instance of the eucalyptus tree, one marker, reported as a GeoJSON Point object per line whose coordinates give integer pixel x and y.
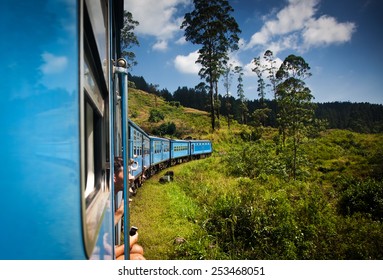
{"type": "Point", "coordinates": [271, 70]}
{"type": "Point", "coordinates": [259, 69]}
{"type": "Point", "coordinates": [295, 106]}
{"type": "Point", "coordinates": [227, 77]}
{"type": "Point", "coordinates": [211, 26]}
{"type": "Point", "coordinates": [266, 69]}
{"type": "Point", "coordinates": [241, 94]}
{"type": "Point", "coordinates": [129, 39]}
{"type": "Point", "coordinates": [260, 115]}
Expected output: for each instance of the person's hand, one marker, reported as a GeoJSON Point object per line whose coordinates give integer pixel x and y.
{"type": "Point", "coordinates": [121, 207]}
{"type": "Point", "coordinates": [133, 239]}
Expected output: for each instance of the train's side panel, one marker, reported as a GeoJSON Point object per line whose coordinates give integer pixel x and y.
{"type": "Point", "coordinates": [146, 151]}
{"type": "Point", "coordinates": [179, 149]}
{"type": "Point", "coordinates": [159, 150]}
{"type": "Point", "coordinates": [199, 147]}
{"type": "Point", "coordinates": [39, 134]}
{"type": "Point", "coordinates": [139, 147]}
{"type": "Point", "coordinates": [56, 200]}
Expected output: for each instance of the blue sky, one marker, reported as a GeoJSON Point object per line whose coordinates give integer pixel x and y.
{"type": "Point", "coordinates": [341, 40]}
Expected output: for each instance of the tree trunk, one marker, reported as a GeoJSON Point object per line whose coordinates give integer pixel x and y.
{"type": "Point", "coordinates": [212, 109]}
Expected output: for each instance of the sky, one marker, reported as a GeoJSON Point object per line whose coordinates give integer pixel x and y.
{"type": "Point", "coordinates": [342, 41]}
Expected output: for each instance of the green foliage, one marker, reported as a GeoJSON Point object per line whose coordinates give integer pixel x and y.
{"type": "Point", "coordinates": [156, 116]}
{"type": "Point", "coordinates": [129, 39]}
{"type": "Point", "coordinates": [211, 26]}
{"type": "Point", "coordinates": [362, 197]}
{"type": "Point", "coordinates": [175, 103]}
{"type": "Point", "coordinates": [239, 203]}
{"type": "Point", "coordinates": [168, 128]}
{"type": "Point", "coordinates": [358, 117]}
{"type": "Point", "coordinates": [254, 160]}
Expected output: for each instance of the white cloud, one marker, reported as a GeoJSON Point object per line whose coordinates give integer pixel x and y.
{"type": "Point", "coordinates": [158, 18]}
{"type": "Point", "coordinates": [186, 64]}
{"type": "Point", "coordinates": [161, 45]}
{"type": "Point", "coordinates": [326, 30]}
{"type": "Point", "coordinates": [292, 17]}
{"type": "Point", "coordinates": [300, 29]}
{"type": "Point", "coordinates": [53, 64]}
{"type": "Point", "coordinates": [289, 19]}
{"type": "Point", "coordinates": [181, 41]}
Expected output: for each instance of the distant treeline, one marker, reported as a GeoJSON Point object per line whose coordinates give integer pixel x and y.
{"type": "Point", "coordinates": [358, 117]}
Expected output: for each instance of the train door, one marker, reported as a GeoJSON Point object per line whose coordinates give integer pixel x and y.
{"type": "Point", "coordinates": [99, 47]}
{"type": "Point", "coordinates": [94, 127]}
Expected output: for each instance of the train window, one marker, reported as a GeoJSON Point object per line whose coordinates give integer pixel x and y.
{"type": "Point", "coordinates": [146, 146]}
{"type": "Point", "coordinates": [94, 114]}
{"type": "Point", "coordinates": [96, 12]}
{"type": "Point", "coordinates": [89, 144]}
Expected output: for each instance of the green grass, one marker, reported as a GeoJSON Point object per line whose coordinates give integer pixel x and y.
{"type": "Point", "coordinates": [189, 122]}
{"type": "Point", "coordinates": [163, 212]}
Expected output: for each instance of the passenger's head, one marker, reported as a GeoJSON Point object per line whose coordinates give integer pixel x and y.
{"type": "Point", "coordinates": [118, 174]}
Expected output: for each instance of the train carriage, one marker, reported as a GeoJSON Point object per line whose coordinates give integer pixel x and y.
{"type": "Point", "coordinates": [179, 150]}
{"type": "Point", "coordinates": [139, 149]}
{"type": "Point", "coordinates": [159, 153]}
{"type": "Point", "coordinates": [199, 148]}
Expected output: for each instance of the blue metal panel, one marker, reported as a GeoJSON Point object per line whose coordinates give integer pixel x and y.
{"type": "Point", "coordinates": [146, 151]}
{"type": "Point", "coordinates": [200, 147]}
{"type": "Point", "coordinates": [159, 149]}
{"type": "Point", "coordinates": [39, 113]}
{"type": "Point", "coordinates": [179, 148]}
{"type": "Point", "coordinates": [137, 139]}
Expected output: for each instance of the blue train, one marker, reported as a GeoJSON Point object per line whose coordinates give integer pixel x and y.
{"type": "Point", "coordinates": [152, 154]}
{"type": "Point", "coordinates": [64, 120]}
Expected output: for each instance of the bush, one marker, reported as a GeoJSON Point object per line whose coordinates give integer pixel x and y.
{"type": "Point", "coordinates": [155, 116]}
{"type": "Point", "coordinates": [254, 160]}
{"type": "Point", "coordinates": [362, 197]}
{"type": "Point", "coordinates": [165, 129]}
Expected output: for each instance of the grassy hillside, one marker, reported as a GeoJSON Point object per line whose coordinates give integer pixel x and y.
{"type": "Point", "coordinates": [188, 122]}
{"type": "Point", "coordinates": [240, 203]}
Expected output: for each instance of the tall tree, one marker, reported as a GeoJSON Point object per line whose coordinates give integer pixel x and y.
{"type": "Point", "coordinates": [294, 99]}
{"type": "Point", "coordinates": [241, 94]}
{"type": "Point", "coordinates": [266, 68]}
{"type": "Point", "coordinates": [129, 39]}
{"type": "Point", "coordinates": [271, 70]}
{"type": "Point", "coordinates": [227, 80]}
{"type": "Point", "coordinates": [211, 26]}
{"type": "Point", "coordinates": [261, 114]}
{"type": "Point", "coordinates": [259, 69]}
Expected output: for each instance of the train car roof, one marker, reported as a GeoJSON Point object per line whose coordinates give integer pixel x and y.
{"type": "Point", "coordinates": [180, 140]}
{"type": "Point", "coordinates": [158, 138]}
{"type": "Point", "coordinates": [136, 126]}
{"type": "Point", "coordinates": [196, 141]}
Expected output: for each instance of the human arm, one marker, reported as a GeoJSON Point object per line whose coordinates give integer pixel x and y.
{"type": "Point", "coordinates": [119, 212]}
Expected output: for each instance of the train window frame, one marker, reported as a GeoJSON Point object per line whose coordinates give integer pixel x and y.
{"type": "Point", "coordinates": [100, 31]}
{"type": "Point", "coordinates": [94, 131]}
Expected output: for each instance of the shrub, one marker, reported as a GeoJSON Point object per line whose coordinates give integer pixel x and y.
{"type": "Point", "coordinates": [168, 128]}
{"type": "Point", "coordinates": [155, 116]}
{"type": "Point", "coordinates": [254, 160]}
{"type": "Point", "coordinates": [363, 197]}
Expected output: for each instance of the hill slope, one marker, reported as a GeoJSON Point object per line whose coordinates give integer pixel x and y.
{"type": "Point", "coordinates": [189, 122]}
{"type": "Point", "coordinates": [239, 204]}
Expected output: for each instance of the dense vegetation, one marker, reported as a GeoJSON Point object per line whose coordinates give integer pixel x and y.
{"type": "Point", "coordinates": [357, 117]}
{"type": "Point", "coordinates": [242, 202]}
